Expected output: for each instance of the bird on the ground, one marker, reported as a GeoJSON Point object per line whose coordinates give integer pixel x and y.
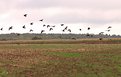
{"type": "Point", "coordinates": [25, 15]}
{"type": "Point", "coordinates": [10, 28]}
{"type": "Point", "coordinates": [18, 34]}
{"type": "Point", "coordinates": [91, 35]}
{"type": "Point", "coordinates": [73, 38]}
{"type": "Point", "coordinates": [100, 38]}
{"type": "Point", "coordinates": [88, 34]}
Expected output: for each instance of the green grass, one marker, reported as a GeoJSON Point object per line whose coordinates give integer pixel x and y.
{"type": "Point", "coordinates": [3, 73]}
{"type": "Point", "coordinates": [65, 54]}
{"type": "Point", "coordinates": [60, 60]}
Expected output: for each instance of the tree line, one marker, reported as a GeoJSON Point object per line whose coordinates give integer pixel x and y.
{"type": "Point", "coordinates": [27, 36]}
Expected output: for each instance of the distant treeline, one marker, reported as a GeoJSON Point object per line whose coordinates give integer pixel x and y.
{"type": "Point", "coordinates": [27, 36]}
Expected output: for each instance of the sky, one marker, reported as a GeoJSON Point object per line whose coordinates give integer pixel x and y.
{"type": "Point", "coordinates": [76, 14]}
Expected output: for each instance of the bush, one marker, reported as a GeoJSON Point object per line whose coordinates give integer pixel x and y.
{"type": "Point", "coordinates": [36, 38]}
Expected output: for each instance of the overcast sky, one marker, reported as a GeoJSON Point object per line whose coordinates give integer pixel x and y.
{"type": "Point", "coordinates": [76, 14]}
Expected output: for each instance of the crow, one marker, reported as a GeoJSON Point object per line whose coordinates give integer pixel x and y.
{"type": "Point", "coordinates": [1, 29]}
{"type": "Point", "coordinates": [80, 29]}
{"type": "Point", "coordinates": [109, 27]}
{"type": "Point", "coordinates": [63, 30]}
{"type": "Point", "coordinates": [108, 30]}
{"type": "Point", "coordinates": [41, 20]}
{"type": "Point", "coordinates": [66, 27]}
{"type": "Point", "coordinates": [51, 29]}
{"type": "Point", "coordinates": [31, 23]}
{"type": "Point", "coordinates": [10, 28]}
{"type": "Point", "coordinates": [100, 38]}
{"type": "Point", "coordinates": [48, 26]}
{"type": "Point", "coordinates": [62, 24]}
{"type": "Point", "coordinates": [44, 25]}
{"type": "Point", "coordinates": [101, 33]}
{"type": "Point", "coordinates": [25, 15]}
{"type": "Point", "coordinates": [69, 30]}
{"type": "Point", "coordinates": [88, 28]}
{"type": "Point", "coordinates": [24, 26]}
{"type": "Point", "coordinates": [53, 26]}
{"type": "Point", "coordinates": [30, 30]}
{"type": "Point", "coordinates": [42, 31]}
{"type": "Point", "coordinates": [18, 34]}
{"type": "Point", "coordinates": [88, 35]}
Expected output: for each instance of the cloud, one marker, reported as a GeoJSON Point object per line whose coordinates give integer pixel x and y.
{"type": "Point", "coordinates": [70, 11]}
{"type": "Point", "coordinates": [34, 4]}
{"type": "Point", "coordinates": [94, 4]}
{"type": "Point", "coordinates": [68, 15]}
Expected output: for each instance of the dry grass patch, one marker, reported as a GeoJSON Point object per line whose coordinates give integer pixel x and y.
{"type": "Point", "coordinates": [60, 60]}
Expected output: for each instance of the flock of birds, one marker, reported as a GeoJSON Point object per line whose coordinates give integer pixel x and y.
{"type": "Point", "coordinates": [66, 28]}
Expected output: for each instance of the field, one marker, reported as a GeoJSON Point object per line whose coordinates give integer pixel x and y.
{"type": "Point", "coordinates": [69, 58]}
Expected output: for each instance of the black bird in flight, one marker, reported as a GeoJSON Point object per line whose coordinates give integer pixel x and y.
{"type": "Point", "coordinates": [88, 28]}
{"type": "Point", "coordinates": [24, 27]}
{"type": "Point", "coordinates": [62, 24]}
{"type": "Point", "coordinates": [42, 31]}
{"type": "Point", "coordinates": [63, 30]}
{"type": "Point", "coordinates": [101, 33]}
{"type": "Point", "coordinates": [53, 26]}
{"type": "Point", "coordinates": [10, 28]}
{"type": "Point", "coordinates": [80, 29]}
{"type": "Point", "coordinates": [69, 30]}
{"type": "Point", "coordinates": [25, 15]}
{"type": "Point", "coordinates": [108, 30]}
{"type": "Point", "coordinates": [1, 29]}
{"type": "Point", "coordinates": [51, 29]}
{"type": "Point", "coordinates": [31, 30]}
{"type": "Point", "coordinates": [44, 25]}
{"type": "Point", "coordinates": [41, 20]}
{"type": "Point", "coordinates": [66, 27]}
{"type": "Point", "coordinates": [109, 27]}
{"type": "Point", "coordinates": [48, 26]}
{"type": "Point", "coordinates": [31, 23]}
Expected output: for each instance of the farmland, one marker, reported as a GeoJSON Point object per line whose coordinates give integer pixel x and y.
{"type": "Point", "coordinates": [60, 58]}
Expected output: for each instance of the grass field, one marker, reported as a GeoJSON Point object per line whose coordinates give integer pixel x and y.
{"type": "Point", "coordinates": [66, 41]}
{"type": "Point", "coordinates": [60, 60]}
